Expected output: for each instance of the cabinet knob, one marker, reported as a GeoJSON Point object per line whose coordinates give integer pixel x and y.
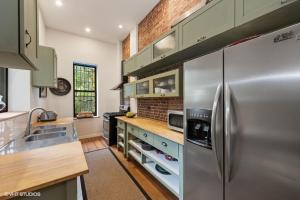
{"type": "Point", "coordinates": [164, 144]}
{"type": "Point", "coordinates": [201, 39]}
{"type": "Point", "coordinates": [284, 1]}
{"type": "Point", "coordinates": [145, 135]}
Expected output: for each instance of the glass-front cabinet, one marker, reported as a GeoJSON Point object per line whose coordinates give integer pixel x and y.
{"type": "Point", "coordinates": [166, 45]}
{"type": "Point", "coordinates": [129, 90]}
{"type": "Point", "coordinates": [143, 88]}
{"type": "Point", "coordinates": [166, 84]}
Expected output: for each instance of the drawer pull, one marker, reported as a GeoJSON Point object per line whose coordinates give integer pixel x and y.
{"type": "Point", "coordinates": [164, 144]}
{"type": "Point", "coordinates": [284, 2]}
{"type": "Point", "coordinates": [201, 39]}
{"type": "Point", "coordinates": [145, 135]}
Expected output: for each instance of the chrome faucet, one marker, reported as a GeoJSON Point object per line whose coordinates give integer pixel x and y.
{"type": "Point", "coordinates": [28, 128]}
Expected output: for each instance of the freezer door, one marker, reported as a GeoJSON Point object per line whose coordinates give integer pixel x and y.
{"type": "Point", "coordinates": [202, 78]}
{"type": "Point", "coordinates": [262, 108]}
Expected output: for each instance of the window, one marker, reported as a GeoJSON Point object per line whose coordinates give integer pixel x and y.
{"type": "Point", "coordinates": [85, 88]}
{"type": "Point", "coordinates": [3, 86]}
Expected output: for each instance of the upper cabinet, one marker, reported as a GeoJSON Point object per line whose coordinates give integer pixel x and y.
{"type": "Point", "coordinates": [46, 76]}
{"type": "Point", "coordinates": [143, 88]}
{"type": "Point", "coordinates": [247, 10]}
{"type": "Point", "coordinates": [19, 34]}
{"type": "Point", "coordinates": [130, 65]}
{"type": "Point", "coordinates": [129, 90]}
{"type": "Point", "coordinates": [168, 84]}
{"type": "Point", "coordinates": [144, 57]}
{"type": "Point", "coordinates": [211, 20]}
{"type": "Point", "coordinates": [165, 45]}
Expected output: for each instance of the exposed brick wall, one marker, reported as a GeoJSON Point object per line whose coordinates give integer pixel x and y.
{"type": "Point", "coordinates": [160, 19]}
{"type": "Point", "coordinates": [126, 48]}
{"type": "Point", "coordinates": [157, 108]}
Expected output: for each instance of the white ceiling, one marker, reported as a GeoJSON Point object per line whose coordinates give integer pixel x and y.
{"type": "Point", "coordinates": [102, 16]}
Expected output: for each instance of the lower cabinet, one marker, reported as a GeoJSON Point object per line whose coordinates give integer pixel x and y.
{"type": "Point", "coordinates": [121, 136]}
{"type": "Point", "coordinates": [162, 149]}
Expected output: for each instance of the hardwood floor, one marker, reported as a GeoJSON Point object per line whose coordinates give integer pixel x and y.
{"type": "Point", "coordinates": [93, 144]}
{"type": "Point", "coordinates": [150, 185]}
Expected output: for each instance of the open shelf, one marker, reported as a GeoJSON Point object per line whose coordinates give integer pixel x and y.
{"type": "Point", "coordinates": [170, 181]}
{"type": "Point", "coordinates": [171, 166]}
{"type": "Point", "coordinates": [121, 144]}
{"type": "Point", "coordinates": [137, 156]}
{"type": "Point", "coordinates": [121, 135]}
{"type": "Point", "coordinates": [136, 145]}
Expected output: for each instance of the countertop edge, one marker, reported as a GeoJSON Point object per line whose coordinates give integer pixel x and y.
{"type": "Point", "coordinates": [12, 115]}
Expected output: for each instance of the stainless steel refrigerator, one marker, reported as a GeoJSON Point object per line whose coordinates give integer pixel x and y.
{"type": "Point", "coordinates": [242, 121]}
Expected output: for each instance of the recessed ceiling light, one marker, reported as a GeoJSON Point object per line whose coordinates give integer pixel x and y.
{"type": "Point", "coordinates": [120, 26]}
{"type": "Point", "coordinates": [87, 29]}
{"type": "Point", "coordinates": [58, 3]}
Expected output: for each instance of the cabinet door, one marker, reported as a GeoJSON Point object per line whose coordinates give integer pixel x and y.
{"type": "Point", "coordinates": [130, 65]}
{"type": "Point", "coordinates": [129, 90]}
{"type": "Point", "coordinates": [166, 45]}
{"type": "Point", "coordinates": [209, 21]}
{"type": "Point", "coordinates": [247, 10]}
{"type": "Point", "coordinates": [144, 58]}
{"type": "Point", "coordinates": [29, 31]}
{"type": "Point", "coordinates": [46, 75]}
{"type": "Point", "coordinates": [143, 88]}
{"type": "Point", "coordinates": [166, 84]}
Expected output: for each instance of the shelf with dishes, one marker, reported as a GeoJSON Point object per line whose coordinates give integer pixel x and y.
{"type": "Point", "coordinates": [160, 165]}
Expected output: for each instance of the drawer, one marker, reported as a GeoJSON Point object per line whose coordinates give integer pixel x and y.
{"type": "Point", "coordinates": [133, 130]}
{"type": "Point", "coordinates": [121, 124]}
{"type": "Point", "coordinates": [166, 146]}
{"type": "Point", "coordinates": [146, 136]}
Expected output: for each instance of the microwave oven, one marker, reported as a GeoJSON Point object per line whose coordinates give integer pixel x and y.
{"type": "Point", "coordinates": [175, 120]}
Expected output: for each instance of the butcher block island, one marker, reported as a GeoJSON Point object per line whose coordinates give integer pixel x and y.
{"type": "Point", "coordinates": [47, 167]}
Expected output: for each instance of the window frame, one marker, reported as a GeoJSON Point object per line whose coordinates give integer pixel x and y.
{"type": "Point", "coordinates": [74, 90]}
{"type": "Point", "coordinates": [6, 108]}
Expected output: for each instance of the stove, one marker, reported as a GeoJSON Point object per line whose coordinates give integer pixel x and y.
{"type": "Point", "coordinates": [110, 124]}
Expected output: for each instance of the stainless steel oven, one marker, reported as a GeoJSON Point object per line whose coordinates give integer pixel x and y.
{"type": "Point", "coordinates": [106, 128]}
{"type": "Point", "coordinates": [175, 120]}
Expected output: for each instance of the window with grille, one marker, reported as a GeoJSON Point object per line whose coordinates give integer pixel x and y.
{"type": "Point", "coordinates": [85, 88]}
{"type": "Point", "coordinates": [4, 86]}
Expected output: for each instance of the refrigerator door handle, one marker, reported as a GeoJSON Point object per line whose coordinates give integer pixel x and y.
{"type": "Point", "coordinates": [213, 130]}
{"type": "Point", "coordinates": [227, 132]}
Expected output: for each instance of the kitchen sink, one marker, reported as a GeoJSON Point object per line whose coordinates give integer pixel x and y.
{"type": "Point", "coordinates": [51, 129]}
{"type": "Point", "coordinates": [44, 136]}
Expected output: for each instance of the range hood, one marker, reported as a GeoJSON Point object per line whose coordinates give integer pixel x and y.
{"type": "Point", "coordinates": [120, 85]}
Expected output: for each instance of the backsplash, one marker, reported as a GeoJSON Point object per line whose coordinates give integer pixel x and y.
{"type": "Point", "coordinates": [11, 128]}
{"type": "Point", "coordinates": [157, 108]}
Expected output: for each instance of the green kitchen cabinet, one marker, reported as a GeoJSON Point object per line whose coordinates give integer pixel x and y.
{"type": "Point", "coordinates": [211, 20]}
{"type": "Point", "coordinates": [19, 34]}
{"type": "Point", "coordinates": [46, 76]}
{"type": "Point", "coordinates": [143, 88]}
{"type": "Point", "coordinates": [144, 57]}
{"type": "Point", "coordinates": [130, 65]}
{"type": "Point", "coordinates": [165, 45]}
{"type": "Point", "coordinates": [168, 84]}
{"type": "Point", "coordinates": [129, 90]}
{"type": "Point", "coordinates": [247, 10]}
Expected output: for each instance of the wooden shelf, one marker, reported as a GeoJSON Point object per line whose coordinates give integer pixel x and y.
{"type": "Point", "coordinates": [137, 156]}
{"type": "Point", "coordinates": [136, 145]}
{"type": "Point", "coordinates": [170, 181]}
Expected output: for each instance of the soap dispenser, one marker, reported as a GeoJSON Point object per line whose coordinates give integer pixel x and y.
{"type": "Point", "coordinates": [2, 104]}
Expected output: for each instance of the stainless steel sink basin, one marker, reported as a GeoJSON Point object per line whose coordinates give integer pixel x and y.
{"type": "Point", "coordinates": [44, 136]}
{"type": "Point", "coordinates": [49, 130]}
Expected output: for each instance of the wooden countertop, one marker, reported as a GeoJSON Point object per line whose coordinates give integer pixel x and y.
{"type": "Point", "coordinates": [39, 168]}
{"type": "Point", "coordinates": [154, 126]}
{"type": "Point", "coordinates": [60, 121]}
